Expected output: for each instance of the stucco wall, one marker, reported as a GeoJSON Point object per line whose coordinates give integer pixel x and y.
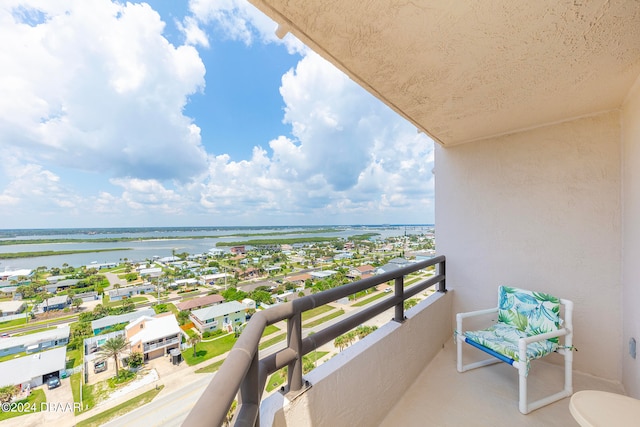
{"type": "Point", "coordinates": [541, 210]}
{"type": "Point", "coordinates": [377, 370]}
{"type": "Point", "coordinates": [631, 239]}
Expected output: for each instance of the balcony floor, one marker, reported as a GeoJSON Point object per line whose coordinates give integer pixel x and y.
{"type": "Point", "coordinates": [487, 396]}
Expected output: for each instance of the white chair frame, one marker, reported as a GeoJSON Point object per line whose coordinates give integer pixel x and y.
{"type": "Point", "coordinates": [521, 365]}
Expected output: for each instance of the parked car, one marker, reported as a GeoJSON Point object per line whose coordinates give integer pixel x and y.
{"type": "Point", "coordinates": [4, 335]}
{"type": "Point", "coordinates": [387, 290]}
{"type": "Point", "coordinates": [53, 382]}
{"type": "Point", "coordinates": [100, 366]}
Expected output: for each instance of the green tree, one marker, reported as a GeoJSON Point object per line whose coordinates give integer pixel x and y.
{"type": "Point", "coordinates": [183, 317]}
{"type": "Point", "coordinates": [7, 392]}
{"type": "Point", "coordinates": [76, 303]}
{"type": "Point", "coordinates": [136, 359]}
{"type": "Point", "coordinates": [113, 347]}
{"type": "Point", "coordinates": [194, 340]}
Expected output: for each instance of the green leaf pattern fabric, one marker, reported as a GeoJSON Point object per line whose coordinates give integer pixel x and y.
{"type": "Point", "coordinates": [521, 313]}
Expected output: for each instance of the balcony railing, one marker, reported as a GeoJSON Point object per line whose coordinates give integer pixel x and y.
{"type": "Point", "coordinates": [245, 375]}
{"type": "Point", "coordinates": [149, 347]}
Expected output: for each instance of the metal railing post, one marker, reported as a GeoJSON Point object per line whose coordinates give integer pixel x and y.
{"type": "Point", "coordinates": [399, 292]}
{"type": "Point", "coordinates": [294, 335]}
{"type": "Point", "coordinates": [441, 270]}
{"type": "Point", "coordinates": [249, 394]}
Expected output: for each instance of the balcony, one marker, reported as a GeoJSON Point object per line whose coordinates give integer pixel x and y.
{"type": "Point", "coordinates": [402, 374]}
{"type": "Point", "coordinates": [165, 343]}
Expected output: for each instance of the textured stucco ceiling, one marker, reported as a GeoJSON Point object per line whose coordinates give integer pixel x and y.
{"type": "Point", "coordinates": [467, 70]}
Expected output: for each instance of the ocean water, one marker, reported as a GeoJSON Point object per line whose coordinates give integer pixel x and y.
{"type": "Point", "coordinates": [140, 250]}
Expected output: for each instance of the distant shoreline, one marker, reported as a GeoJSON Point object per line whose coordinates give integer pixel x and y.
{"type": "Point", "coordinates": [13, 255]}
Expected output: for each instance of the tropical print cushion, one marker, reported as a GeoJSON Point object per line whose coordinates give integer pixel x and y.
{"type": "Point", "coordinates": [533, 313]}
{"type": "Point", "coordinates": [503, 339]}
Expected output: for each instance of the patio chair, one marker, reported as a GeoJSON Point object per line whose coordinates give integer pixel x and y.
{"type": "Point", "coordinates": [528, 328]}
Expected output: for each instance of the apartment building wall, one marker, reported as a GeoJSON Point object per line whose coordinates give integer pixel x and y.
{"type": "Point", "coordinates": [631, 239]}
{"type": "Point", "coordinates": [540, 209]}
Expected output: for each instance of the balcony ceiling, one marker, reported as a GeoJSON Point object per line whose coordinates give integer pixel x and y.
{"type": "Point", "coordinates": [463, 71]}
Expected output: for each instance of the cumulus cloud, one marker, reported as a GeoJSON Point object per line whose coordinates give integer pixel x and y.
{"type": "Point", "coordinates": [240, 20]}
{"type": "Point", "coordinates": [93, 85]}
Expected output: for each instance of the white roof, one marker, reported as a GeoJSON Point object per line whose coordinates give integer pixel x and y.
{"type": "Point", "coordinates": [61, 332]}
{"type": "Point", "coordinates": [218, 310]}
{"type": "Point", "coordinates": [154, 328]}
{"type": "Point", "coordinates": [10, 306]}
{"type": "Point", "coordinates": [120, 318]}
{"type": "Point", "coordinates": [23, 369]}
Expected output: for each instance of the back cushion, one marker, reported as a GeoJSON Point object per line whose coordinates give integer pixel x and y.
{"type": "Point", "coordinates": [532, 312]}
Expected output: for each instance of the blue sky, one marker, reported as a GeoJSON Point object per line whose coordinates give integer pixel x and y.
{"type": "Point", "coordinates": [191, 113]}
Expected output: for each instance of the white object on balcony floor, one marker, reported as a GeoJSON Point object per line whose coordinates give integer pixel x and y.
{"type": "Point", "coordinates": [528, 327]}
{"type": "Point", "coordinates": [594, 408]}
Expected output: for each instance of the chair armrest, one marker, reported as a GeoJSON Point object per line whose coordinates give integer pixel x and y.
{"type": "Point", "coordinates": [476, 313]}
{"type": "Point", "coordinates": [461, 316]}
{"type": "Point", "coordinates": [545, 336]}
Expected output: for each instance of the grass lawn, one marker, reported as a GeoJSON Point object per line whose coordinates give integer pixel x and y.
{"type": "Point", "coordinates": [272, 341]}
{"type": "Point", "coordinates": [324, 319]}
{"type": "Point", "coordinates": [213, 367]}
{"type": "Point", "coordinates": [271, 329]}
{"type": "Point", "coordinates": [12, 323]}
{"type": "Point", "coordinates": [191, 333]}
{"type": "Point", "coordinates": [123, 408]}
{"type": "Point", "coordinates": [205, 350]}
{"type": "Point", "coordinates": [316, 312]}
{"type": "Point", "coordinates": [369, 300]}
{"type": "Point", "coordinates": [132, 299]}
{"type": "Point", "coordinates": [172, 308]}
{"type": "Point", "coordinates": [74, 357]}
{"type": "Point", "coordinates": [33, 401]}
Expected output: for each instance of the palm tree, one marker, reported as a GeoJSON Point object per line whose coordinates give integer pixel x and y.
{"type": "Point", "coordinates": [194, 340]}
{"type": "Point", "coordinates": [113, 347]}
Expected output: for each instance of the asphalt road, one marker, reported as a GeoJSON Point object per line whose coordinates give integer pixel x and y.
{"type": "Point", "coordinates": [169, 410]}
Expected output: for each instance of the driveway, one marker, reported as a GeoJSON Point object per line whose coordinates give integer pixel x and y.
{"type": "Point", "coordinates": [58, 410]}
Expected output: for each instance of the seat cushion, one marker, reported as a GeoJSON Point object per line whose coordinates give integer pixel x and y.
{"type": "Point", "coordinates": [533, 313]}
{"type": "Point", "coordinates": [503, 339]}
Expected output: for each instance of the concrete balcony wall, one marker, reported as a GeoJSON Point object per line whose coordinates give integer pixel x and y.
{"type": "Point", "coordinates": [631, 238]}
{"type": "Point", "coordinates": [540, 209]}
{"type": "Point", "coordinates": [360, 385]}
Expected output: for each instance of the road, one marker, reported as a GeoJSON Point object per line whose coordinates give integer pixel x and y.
{"type": "Point", "coordinates": [168, 410]}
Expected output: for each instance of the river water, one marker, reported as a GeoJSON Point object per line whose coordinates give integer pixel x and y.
{"type": "Point", "coordinates": [140, 250]}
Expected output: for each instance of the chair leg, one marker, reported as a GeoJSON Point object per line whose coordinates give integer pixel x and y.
{"type": "Point", "coordinates": [522, 383]}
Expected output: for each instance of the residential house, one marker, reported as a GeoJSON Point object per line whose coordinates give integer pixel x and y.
{"type": "Point", "coordinates": [9, 308]}
{"type": "Point", "coordinates": [109, 322]}
{"type": "Point", "coordinates": [33, 370]}
{"type": "Point", "coordinates": [128, 292]}
{"type": "Point", "coordinates": [36, 342]}
{"type": "Point", "coordinates": [150, 272]}
{"type": "Point", "coordinates": [534, 108]}
{"type": "Point", "coordinates": [323, 274]}
{"type": "Point", "coordinates": [9, 276]}
{"type": "Point", "coordinates": [87, 296]}
{"type": "Point", "coordinates": [60, 285]}
{"type": "Point", "coordinates": [299, 279]}
{"type": "Point", "coordinates": [361, 271]}
{"type": "Point", "coordinates": [200, 302]}
{"type": "Point", "coordinates": [56, 303]}
{"type": "Point", "coordinates": [238, 250]}
{"type": "Point", "coordinates": [154, 336]}
{"type": "Point", "coordinates": [224, 316]}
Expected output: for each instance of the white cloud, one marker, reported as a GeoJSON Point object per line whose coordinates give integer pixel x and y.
{"type": "Point", "coordinates": [93, 85]}
{"type": "Point", "coordinates": [240, 20]}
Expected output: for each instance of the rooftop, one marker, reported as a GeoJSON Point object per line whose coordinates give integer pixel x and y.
{"type": "Point", "coordinates": [61, 332]}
